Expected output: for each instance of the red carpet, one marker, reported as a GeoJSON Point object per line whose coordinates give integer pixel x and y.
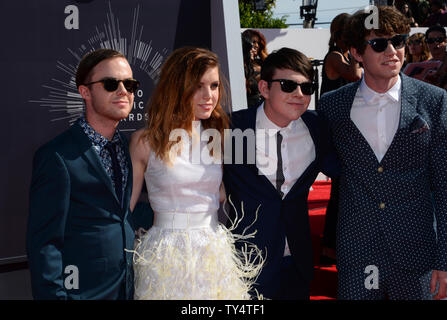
{"type": "Point", "coordinates": [319, 195]}
{"type": "Point", "coordinates": [324, 284]}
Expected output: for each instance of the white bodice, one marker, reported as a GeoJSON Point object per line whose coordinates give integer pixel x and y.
{"type": "Point", "coordinates": [184, 186]}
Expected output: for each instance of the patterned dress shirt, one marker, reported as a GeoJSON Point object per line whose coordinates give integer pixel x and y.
{"type": "Point", "coordinates": [99, 142]}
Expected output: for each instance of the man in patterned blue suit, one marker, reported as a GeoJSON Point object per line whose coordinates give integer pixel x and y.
{"type": "Point", "coordinates": [79, 221]}
{"type": "Point", "coordinates": [390, 133]}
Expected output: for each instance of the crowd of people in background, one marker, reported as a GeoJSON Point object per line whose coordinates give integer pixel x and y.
{"type": "Point", "coordinates": [423, 13]}
{"type": "Point", "coordinates": [339, 67]}
{"type": "Point", "coordinates": [430, 46]}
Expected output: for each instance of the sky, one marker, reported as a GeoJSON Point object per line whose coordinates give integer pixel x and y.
{"type": "Point", "coordinates": [326, 10]}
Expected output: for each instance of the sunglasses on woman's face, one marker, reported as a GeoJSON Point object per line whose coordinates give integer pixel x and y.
{"type": "Point", "coordinates": [111, 84]}
{"type": "Point", "coordinates": [437, 40]}
{"type": "Point", "coordinates": [380, 44]}
{"type": "Point", "coordinates": [289, 86]}
{"type": "Point", "coordinates": [414, 42]}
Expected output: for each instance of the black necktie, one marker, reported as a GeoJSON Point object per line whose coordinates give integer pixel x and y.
{"type": "Point", "coordinates": [279, 173]}
{"type": "Point", "coordinates": [117, 173]}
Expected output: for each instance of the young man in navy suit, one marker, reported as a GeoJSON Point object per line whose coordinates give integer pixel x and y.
{"type": "Point", "coordinates": [285, 149]}
{"type": "Point", "coordinates": [79, 221]}
{"type": "Point", "coordinates": [390, 133]}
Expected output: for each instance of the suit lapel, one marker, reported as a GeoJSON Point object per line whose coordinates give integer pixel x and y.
{"type": "Point", "coordinates": [262, 177]}
{"type": "Point", "coordinates": [91, 157]}
{"type": "Point", "coordinates": [315, 135]}
{"type": "Point", "coordinates": [407, 113]}
{"type": "Point", "coordinates": [128, 189]}
{"type": "Point", "coordinates": [353, 130]}
{"type": "Point", "coordinates": [250, 123]}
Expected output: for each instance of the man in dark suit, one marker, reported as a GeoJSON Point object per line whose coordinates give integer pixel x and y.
{"type": "Point", "coordinates": [79, 222]}
{"type": "Point", "coordinates": [285, 149]}
{"type": "Point", "coordinates": [390, 133]}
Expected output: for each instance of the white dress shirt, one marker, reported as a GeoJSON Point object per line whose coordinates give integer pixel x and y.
{"type": "Point", "coordinates": [297, 151]}
{"type": "Point", "coordinates": [377, 115]}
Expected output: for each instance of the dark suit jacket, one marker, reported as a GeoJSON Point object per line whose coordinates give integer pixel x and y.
{"type": "Point", "coordinates": [75, 219]}
{"type": "Point", "coordinates": [277, 218]}
{"type": "Point", "coordinates": [394, 199]}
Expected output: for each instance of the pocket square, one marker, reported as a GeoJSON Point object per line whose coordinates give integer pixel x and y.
{"type": "Point", "coordinates": [419, 125]}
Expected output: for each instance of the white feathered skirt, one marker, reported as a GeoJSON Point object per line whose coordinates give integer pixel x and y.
{"type": "Point", "coordinates": [193, 257]}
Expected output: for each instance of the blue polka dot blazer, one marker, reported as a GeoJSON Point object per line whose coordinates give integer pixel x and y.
{"type": "Point", "coordinates": [390, 206]}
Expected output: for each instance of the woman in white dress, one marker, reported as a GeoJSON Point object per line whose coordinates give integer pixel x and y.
{"type": "Point", "coordinates": [187, 254]}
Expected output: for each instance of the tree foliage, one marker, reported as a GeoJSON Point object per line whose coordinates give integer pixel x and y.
{"type": "Point", "coordinates": [250, 18]}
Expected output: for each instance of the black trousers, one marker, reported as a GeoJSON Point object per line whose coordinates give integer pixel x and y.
{"type": "Point", "coordinates": [292, 284]}
{"type": "Point", "coordinates": [330, 223]}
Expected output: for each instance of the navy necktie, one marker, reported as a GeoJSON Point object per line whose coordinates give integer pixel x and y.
{"type": "Point", "coordinates": [117, 173]}
{"type": "Point", "coordinates": [279, 173]}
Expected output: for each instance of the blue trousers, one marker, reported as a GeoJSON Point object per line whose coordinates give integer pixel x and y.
{"type": "Point", "coordinates": [382, 279]}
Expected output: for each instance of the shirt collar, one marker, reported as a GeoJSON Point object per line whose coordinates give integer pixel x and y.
{"type": "Point", "coordinates": [263, 122]}
{"type": "Point", "coordinates": [96, 137]}
{"type": "Point", "coordinates": [369, 95]}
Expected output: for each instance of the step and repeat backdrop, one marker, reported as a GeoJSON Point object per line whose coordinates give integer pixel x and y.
{"type": "Point", "coordinates": [42, 44]}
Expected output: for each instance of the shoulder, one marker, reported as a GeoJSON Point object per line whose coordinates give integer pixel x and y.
{"type": "Point", "coordinates": [238, 118]}
{"type": "Point", "coordinates": [50, 158]}
{"type": "Point", "coordinates": [139, 145]}
{"type": "Point", "coordinates": [420, 89]}
{"type": "Point", "coordinates": [313, 119]}
{"type": "Point", "coordinates": [429, 99]}
{"type": "Point", "coordinates": [334, 56]}
{"type": "Point", "coordinates": [62, 144]}
{"type": "Point", "coordinates": [139, 139]}
{"type": "Point", "coordinates": [310, 115]}
{"type": "Point", "coordinates": [241, 113]}
{"type": "Point", "coordinates": [339, 95]}
{"type": "Point", "coordinates": [136, 136]}
{"type": "Point", "coordinates": [317, 126]}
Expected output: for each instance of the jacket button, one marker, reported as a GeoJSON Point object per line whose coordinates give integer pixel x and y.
{"type": "Point", "coordinates": [380, 169]}
{"type": "Point", "coordinates": [382, 205]}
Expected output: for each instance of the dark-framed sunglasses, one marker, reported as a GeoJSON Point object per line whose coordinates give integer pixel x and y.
{"type": "Point", "coordinates": [437, 40]}
{"type": "Point", "coordinates": [380, 44]}
{"type": "Point", "coordinates": [111, 84]}
{"type": "Point", "coordinates": [289, 86]}
{"type": "Point", "coordinates": [414, 42]}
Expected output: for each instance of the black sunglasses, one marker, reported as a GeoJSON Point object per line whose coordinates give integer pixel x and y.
{"type": "Point", "coordinates": [433, 40]}
{"type": "Point", "coordinates": [417, 42]}
{"type": "Point", "coordinates": [111, 84]}
{"type": "Point", "coordinates": [289, 86]}
{"type": "Point", "coordinates": [380, 44]}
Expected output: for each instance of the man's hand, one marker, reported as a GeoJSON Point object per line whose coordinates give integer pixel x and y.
{"type": "Point", "coordinates": [440, 277]}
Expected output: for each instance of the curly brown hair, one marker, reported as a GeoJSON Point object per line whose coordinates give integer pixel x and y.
{"type": "Point", "coordinates": [391, 21]}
